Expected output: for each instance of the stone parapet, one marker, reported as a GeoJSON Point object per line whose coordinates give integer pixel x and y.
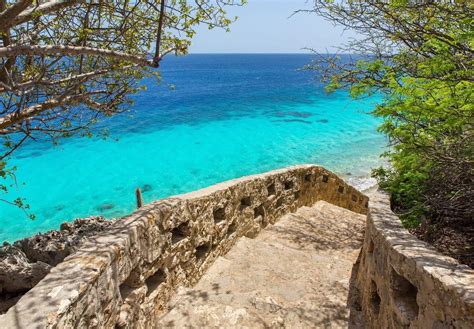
{"type": "Point", "coordinates": [402, 282]}
{"type": "Point", "coordinates": [125, 276]}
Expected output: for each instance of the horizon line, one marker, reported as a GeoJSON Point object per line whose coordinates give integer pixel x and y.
{"type": "Point", "coordinates": [262, 53]}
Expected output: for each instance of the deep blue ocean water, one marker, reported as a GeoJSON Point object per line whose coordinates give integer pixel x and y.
{"type": "Point", "coordinates": [212, 118]}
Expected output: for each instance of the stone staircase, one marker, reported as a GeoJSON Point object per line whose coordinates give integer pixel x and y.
{"type": "Point", "coordinates": [294, 274]}
{"type": "Point", "coordinates": [189, 261]}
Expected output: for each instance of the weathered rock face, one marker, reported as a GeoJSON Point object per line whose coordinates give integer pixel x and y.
{"type": "Point", "coordinates": [27, 261]}
{"type": "Point", "coordinates": [17, 273]}
{"type": "Point", "coordinates": [126, 276]}
{"type": "Point", "coordinates": [402, 282]}
{"type": "Point", "coordinates": [53, 246]}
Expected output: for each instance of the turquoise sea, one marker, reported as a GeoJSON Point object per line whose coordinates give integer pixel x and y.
{"type": "Point", "coordinates": [212, 118]}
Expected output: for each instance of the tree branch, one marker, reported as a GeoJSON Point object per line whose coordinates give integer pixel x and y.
{"type": "Point", "coordinates": [22, 16]}
{"type": "Point", "coordinates": [8, 15]}
{"type": "Point", "coordinates": [72, 50]}
{"type": "Point", "coordinates": [18, 116]}
{"type": "Point", "coordinates": [73, 78]}
{"type": "Point", "coordinates": [156, 59]}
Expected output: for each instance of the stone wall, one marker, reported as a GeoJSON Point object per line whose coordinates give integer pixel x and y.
{"type": "Point", "coordinates": [124, 277]}
{"type": "Point", "coordinates": [402, 282]}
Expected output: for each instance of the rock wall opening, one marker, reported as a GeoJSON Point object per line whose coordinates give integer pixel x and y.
{"type": "Point", "coordinates": [219, 215]}
{"type": "Point", "coordinates": [179, 233]}
{"type": "Point", "coordinates": [154, 281]}
{"type": "Point", "coordinates": [404, 296]}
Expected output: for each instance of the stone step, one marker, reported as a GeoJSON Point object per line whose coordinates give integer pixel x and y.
{"type": "Point", "coordinates": [295, 274]}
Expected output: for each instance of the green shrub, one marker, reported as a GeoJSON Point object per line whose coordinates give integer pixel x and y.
{"type": "Point", "coordinates": [419, 56]}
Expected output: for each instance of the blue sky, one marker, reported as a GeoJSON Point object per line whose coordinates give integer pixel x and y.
{"type": "Point", "coordinates": [265, 26]}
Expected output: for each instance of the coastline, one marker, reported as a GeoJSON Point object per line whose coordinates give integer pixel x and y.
{"type": "Point", "coordinates": [242, 115]}
{"type": "Point", "coordinates": [363, 184]}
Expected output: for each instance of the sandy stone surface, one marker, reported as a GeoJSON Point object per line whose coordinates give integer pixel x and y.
{"type": "Point", "coordinates": [295, 274]}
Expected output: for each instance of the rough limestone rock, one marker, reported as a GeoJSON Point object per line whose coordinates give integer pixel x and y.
{"type": "Point", "coordinates": [53, 246]}
{"type": "Point", "coordinates": [17, 273]}
{"type": "Point", "coordinates": [28, 261]}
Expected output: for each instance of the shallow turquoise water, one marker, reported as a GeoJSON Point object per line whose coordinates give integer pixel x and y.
{"type": "Point", "coordinates": [228, 116]}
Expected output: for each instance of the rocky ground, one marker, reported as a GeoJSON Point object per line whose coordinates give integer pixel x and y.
{"type": "Point", "coordinates": [452, 238]}
{"type": "Point", "coordinates": [24, 263]}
